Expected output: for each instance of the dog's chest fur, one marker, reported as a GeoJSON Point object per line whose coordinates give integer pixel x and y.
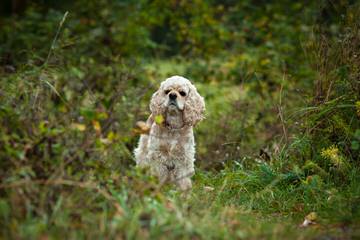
{"type": "Point", "coordinates": [175, 147]}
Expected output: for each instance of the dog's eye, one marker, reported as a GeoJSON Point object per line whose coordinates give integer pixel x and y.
{"type": "Point", "coordinates": [167, 92]}
{"type": "Point", "coordinates": [182, 93]}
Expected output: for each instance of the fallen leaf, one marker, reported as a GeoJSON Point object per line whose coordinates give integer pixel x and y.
{"type": "Point", "coordinates": [105, 141]}
{"type": "Point", "coordinates": [209, 189]}
{"type": "Point", "coordinates": [78, 126]}
{"type": "Point", "coordinates": [309, 219]}
{"type": "Point", "coordinates": [96, 126]}
{"type": "Point", "coordinates": [311, 216]}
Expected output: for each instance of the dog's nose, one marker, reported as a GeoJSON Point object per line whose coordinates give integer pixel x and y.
{"type": "Point", "coordinates": [172, 96]}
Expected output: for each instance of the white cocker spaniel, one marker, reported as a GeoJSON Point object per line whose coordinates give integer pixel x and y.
{"type": "Point", "coordinates": [168, 149]}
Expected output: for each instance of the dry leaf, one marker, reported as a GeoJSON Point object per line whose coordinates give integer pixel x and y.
{"type": "Point", "coordinates": [209, 189]}
{"type": "Point", "coordinates": [142, 128]}
{"type": "Point", "coordinates": [309, 219]}
{"type": "Point", "coordinates": [105, 141]}
{"type": "Point", "coordinates": [96, 126]}
{"type": "Point", "coordinates": [78, 126]}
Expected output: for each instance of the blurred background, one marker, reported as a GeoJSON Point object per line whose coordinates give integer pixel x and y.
{"type": "Point", "coordinates": [280, 80]}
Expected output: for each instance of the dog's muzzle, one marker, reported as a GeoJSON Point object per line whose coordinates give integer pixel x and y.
{"type": "Point", "coordinates": [173, 103]}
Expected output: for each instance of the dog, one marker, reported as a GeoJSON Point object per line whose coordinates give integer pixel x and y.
{"type": "Point", "coordinates": [169, 148]}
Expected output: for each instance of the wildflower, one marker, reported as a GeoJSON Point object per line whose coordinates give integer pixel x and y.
{"type": "Point", "coordinates": [333, 154]}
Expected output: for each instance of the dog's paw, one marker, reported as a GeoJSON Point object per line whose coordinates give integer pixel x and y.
{"type": "Point", "coordinates": [184, 184]}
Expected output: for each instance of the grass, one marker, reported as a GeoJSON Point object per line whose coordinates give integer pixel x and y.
{"type": "Point", "coordinates": [70, 177]}
{"type": "Point", "coordinates": [66, 175]}
{"type": "Point", "coordinates": [234, 203]}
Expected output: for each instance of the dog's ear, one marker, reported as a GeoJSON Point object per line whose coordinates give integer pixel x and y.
{"type": "Point", "coordinates": [157, 103]}
{"type": "Point", "coordinates": [194, 107]}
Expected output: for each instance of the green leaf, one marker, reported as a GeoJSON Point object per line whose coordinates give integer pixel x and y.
{"type": "Point", "coordinates": [355, 145]}
{"type": "Point", "coordinates": [159, 119]}
{"type": "Point", "coordinates": [357, 134]}
{"type": "Point", "coordinates": [4, 208]}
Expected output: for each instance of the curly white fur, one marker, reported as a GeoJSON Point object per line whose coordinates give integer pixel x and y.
{"type": "Point", "coordinates": [169, 148]}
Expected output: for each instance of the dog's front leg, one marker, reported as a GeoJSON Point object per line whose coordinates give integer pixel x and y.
{"type": "Point", "coordinates": [184, 184]}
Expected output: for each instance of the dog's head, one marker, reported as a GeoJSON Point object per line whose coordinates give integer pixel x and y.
{"type": "Point", "coordinates": [178, 101]}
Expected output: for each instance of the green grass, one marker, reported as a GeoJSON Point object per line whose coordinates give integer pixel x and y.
{"type": "Point", "coordinates": [234, 203]}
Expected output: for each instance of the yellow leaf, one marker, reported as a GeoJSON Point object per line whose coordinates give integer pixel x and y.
{"type": "Point", "coordinates": [96, 126]}
{"type": "Point", "coordinates": [309, 219]}
{"type": "Point", "coordinates": [102, 115]}
{"type": "Point", "coordinates": [78, 126]}
{"type": "Point", "coordinates": [357, 104]}
{"type": "Point", "coordinates": [159, 119]}
{"type": "Point", "coordinates": [111, 136]}
{"type": "Point", "coordinates": [311, 216]}
{"type": "Point", "coordinates": [63, 109]}
{"type": "Point", "coordinates": [264, 62]}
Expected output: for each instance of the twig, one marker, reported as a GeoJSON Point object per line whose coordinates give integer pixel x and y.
{"type": "Point", "coordinates": [230, 143]}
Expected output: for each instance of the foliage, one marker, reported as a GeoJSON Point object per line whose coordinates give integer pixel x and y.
{"type": "Point", "coordinates": [331, 119]}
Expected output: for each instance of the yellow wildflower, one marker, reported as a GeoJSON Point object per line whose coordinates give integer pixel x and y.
{"type": "Point", "coordinates": [333, 154]}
